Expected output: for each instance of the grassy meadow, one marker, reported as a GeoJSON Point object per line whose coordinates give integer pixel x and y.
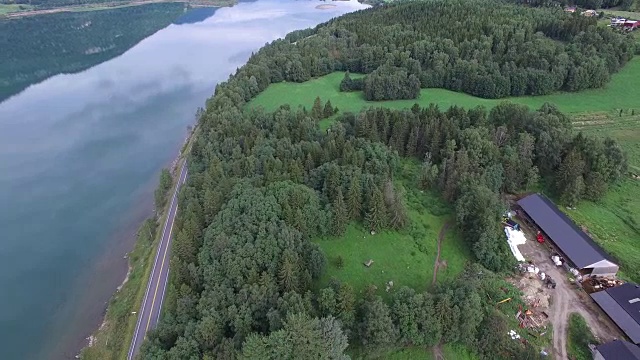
{"type": "Point", "coordinates": [405, 257]}
{"type": "Point", "coordinates": [622, 92]}
{"type": "Point", "coordinates": [579, 337]}
{"type": "Point", "coordinates": [612, 111]}
{"type": "Point", "coordinates": [11, 8]}
{"type": "Point", "coordinates": [614, 222]}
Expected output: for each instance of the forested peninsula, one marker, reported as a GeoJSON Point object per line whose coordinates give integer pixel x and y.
{"type": "Point", "coordinates": [263, 186]}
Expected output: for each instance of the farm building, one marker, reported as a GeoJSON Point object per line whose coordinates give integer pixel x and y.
{"type": "Point", "coordinates": [622, 305]}
{"type": "Point", "coordinates": [616, 350]}
{"type": "Point", "coordinates": [631, 24]}
{"type": "Point", "coordinates": [574, 244]}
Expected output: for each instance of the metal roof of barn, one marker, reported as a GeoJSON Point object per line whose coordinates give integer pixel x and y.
{"type": "Point", "coordinates": [628, 296]}
{"type": "Point", "coordinates": [619, 349]}
{"type": "Point", "coordinates": [620, 304]}
{"type": "Point", "coordinates": [574, 243]}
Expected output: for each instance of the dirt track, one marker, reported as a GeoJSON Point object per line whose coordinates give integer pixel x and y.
{"type": "Point", "coordinates": [441, 235]}
{"type": "Point", "coordinates": [437, 350]}
{"type": "Point", "coordinates": [566, 298]}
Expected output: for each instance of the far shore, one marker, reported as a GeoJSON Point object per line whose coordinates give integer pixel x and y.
{"type": "Point", "coordinates": [112, 5]}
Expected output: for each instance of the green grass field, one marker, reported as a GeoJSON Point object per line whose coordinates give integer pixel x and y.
{"type": "Point", "coordinates": [406, 257]}
{"type": "Point", "coordinates": [614, 222]}
{"type": "Point", "coordinates": [11, 8]}
{"type": "Point", "coordinates": [457, 352]}
{"type": "Point", "coordinates": [409, 353]}
{"type": "Point", "coordinates": [622, 92]}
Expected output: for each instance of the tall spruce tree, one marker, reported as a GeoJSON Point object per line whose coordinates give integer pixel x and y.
{"type": "Point", "coordinates": [354, 199]}
{"type": "Point", "coordinates": [328, 109]}
{"type": "Point", "coordinates": [340, 215]}
{"type": "Point", "coordinates": [377, 211]}
{"type": "Point", "coordinates": [316, 110]}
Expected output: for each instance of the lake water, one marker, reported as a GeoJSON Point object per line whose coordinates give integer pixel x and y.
{"type": "Point", "coordinates": [80, 155]}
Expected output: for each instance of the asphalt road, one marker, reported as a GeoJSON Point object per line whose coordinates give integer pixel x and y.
{"type": "Point", "coordinates": [149, 313]}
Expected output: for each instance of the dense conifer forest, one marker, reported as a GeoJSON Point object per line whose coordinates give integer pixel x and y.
{"type": "Point", "coordinates": [262, 185]}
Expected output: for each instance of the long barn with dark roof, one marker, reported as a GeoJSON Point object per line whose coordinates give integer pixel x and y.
{"type": "Point", "coordinates": [576, 246]}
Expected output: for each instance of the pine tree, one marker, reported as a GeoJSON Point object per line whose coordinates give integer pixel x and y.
{"type": "Point", "coordinates": [354, 199]}
{"type": "Point", "coordinates": [412, 143]}
{"type": "Point", "coordinates": [316, 110]}
{"type": "Point", "coordinates": [328, 109]}
{"type": "Point", "coordinates": [288, 274]}
{"type": "Point", "coordinates": [340, 216]}
{"type": "Point", "coordinates": [569, 181]}
{"type": "Point", "coordinates": [346, 305]}
{"type": "Point", "coordinates": [346, 83]}
{"type": "Point", "coordinates": [309, 164]}
{"type": "Point", "coordinates": [398, 217]}
{"type": "Point", "coordinates": [377, 212]}
{"type": "Point", "coordinates": [332, 182]}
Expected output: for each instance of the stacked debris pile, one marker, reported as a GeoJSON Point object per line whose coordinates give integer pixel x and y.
{"type": "Point", "coordinates": [596, 283]}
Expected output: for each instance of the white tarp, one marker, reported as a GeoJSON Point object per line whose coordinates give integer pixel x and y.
{"type": "Point", "coordinates": [515, 238]}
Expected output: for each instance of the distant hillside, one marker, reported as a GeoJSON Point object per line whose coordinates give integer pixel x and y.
{"type": "Point", "coordinates": [50, 4]}
{"type": "Point", "coordinates": [35, 48]}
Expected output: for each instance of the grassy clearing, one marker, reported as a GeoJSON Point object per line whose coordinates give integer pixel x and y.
{"type": "Point", "coordinates": [614, 222]}
{"type": "Point", "coordinates": [409, 353]}
{"type": "Point", "coordinates": [620, 93]}
{"type": "Point", "coordinates": [11, 8]}
{"type": "Point", "coordinates": [457, 352]}
{"type": "Point", "coordinates": [407, 257]}
{"type": "Point", "coordinates": [579, 337]}
{"type": "Point", "coordinates": [625, 14]}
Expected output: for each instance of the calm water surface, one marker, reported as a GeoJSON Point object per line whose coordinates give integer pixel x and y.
{"type": "Point", "coordinates": [80, 155]}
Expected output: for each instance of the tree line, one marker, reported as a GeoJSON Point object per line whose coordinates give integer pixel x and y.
{"type": "Point", "coordinates": [262, 185]}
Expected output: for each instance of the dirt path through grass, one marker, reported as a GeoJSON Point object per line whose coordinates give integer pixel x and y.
{"type": "Point", "coordinates": [441, 235]}
{"type": "Point", "coordinates": [437, 352]}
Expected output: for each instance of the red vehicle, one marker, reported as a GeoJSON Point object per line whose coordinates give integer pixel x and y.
{"type": "Point", "coordinates": [540, 238]}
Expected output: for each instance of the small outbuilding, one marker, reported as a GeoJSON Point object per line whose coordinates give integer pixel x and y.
{"type": "Point", "coordinates": [617, 350]}
{"type": "Point", "coordinates": [622, 305]}
{"type": "Point", "coordinates": [574, 244]}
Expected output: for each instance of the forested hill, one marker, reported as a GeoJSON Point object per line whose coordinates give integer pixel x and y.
{"type": "Point", "coordinates": [483, 48]}
{"type": "Point", "coordinates": [35, 48]}
{"type": "Point", "coordinates": [244, 269]}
